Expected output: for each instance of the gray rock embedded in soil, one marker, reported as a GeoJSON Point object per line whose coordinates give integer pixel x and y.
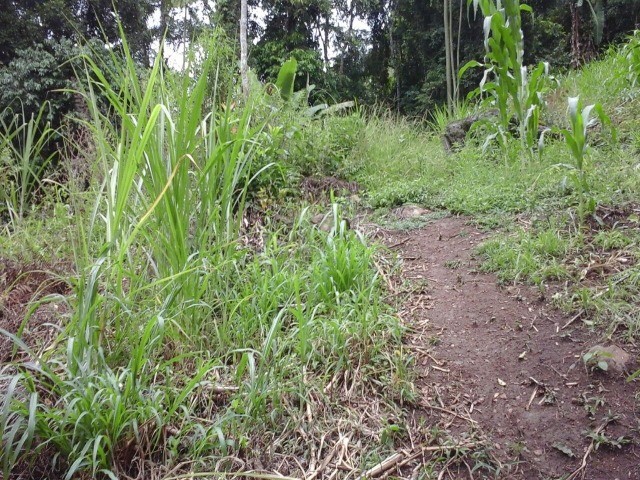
{"type": "Point", "coordinates": [617, 359]}
{"type": "Point", "coordinates": [455, 132]}
{"type": "Point", "coordinates": [410, 211]}
{"type": "Point", "coordinates": [326, 223]}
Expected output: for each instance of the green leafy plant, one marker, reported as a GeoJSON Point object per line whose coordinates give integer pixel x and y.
{"type": "Point", "coordinates": [600, 439]}
{"type": "Point", "coordinates": [631, 54]}
{"type": "Point", "coordinates": [286, 78]}
{"type": "Point", "coordinates": [581, 120]}
{"type": "Point", "coordinates": [38, 75]}
{"type": "Point", "coordinates": [596, 360]}
{"type": "Point", "coordinates": [23, 143]}
{"type": "Point", "coordinates": [591, 404]}
{"type": "Point", "coordinates": [513, 88]}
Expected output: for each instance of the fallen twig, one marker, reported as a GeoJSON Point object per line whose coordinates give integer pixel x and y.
{"type": "Point", "coordinates": [392, 289]}
{"type": "Point", "coordinates": [340, 445]}
{"type": "Point", "coordinates": [400, 459]}
{"type": "Point", "coordinates": [533, 396]}
{"type": "Point", "coordinates": [583, 464]}
{"type": "Point", "coordinates": [401, 242]}
{"type": "Point", "coordinates": [382, 466]}
{"type": "Point", "coordinates": [573, 319]}
{"type": "Point", "coordinates": [450, 412]}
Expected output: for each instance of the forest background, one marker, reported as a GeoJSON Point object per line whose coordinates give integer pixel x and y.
{"type": "Point", "coordinates": [390, 52]}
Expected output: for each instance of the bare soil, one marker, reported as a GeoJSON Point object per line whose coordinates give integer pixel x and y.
{"type": "Point", "coordinates": [500, 357]}
{"type": "Point", "coordinates": [21, 284]}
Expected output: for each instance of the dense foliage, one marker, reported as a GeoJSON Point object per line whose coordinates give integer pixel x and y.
{"type": "Point", "coordinates": [390, 51]}
{"type": "Point", "coordinates": [201, 311]}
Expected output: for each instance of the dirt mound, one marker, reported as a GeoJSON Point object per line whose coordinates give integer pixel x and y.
{"type": "Point", "coordinates": [320, 187]}
{"type": "Point", "coordinates": [501, 357]}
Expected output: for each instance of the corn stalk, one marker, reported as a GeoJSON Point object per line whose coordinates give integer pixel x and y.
{"type": "Point", "coordinates": [514, 89]}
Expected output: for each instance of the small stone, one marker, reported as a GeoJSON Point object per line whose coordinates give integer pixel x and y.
{"type": "Point", "coordinates": [537, 452]}
{"type": "Point", "coordinates": [326, 223]}
{"type": "Point", "coordinates": [617, 359]}
{"type": "Point", "coordinates": [410, 211]}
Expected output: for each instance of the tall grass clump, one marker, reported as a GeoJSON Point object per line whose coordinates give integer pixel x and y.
{"type": "Point", "coordinates": [183, 341]}
{"type": "Point", "coordinates": [23, 143]}
{"type": "Point", "coordinates": [441, 116]}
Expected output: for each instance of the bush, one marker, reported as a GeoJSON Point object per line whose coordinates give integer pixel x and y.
{"type": "Point", "coordinates": [324, 145]}
{"type": "Point", "coordinates": [37, 75]}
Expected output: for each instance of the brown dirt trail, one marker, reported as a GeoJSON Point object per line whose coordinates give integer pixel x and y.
{"type": "Point", "coordinates": [499, 357]}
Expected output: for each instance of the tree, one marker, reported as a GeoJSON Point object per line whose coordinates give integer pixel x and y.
{"type": "Point", "coordinates": [581, 49]}
{"type": "Point", "coordinates": [448, 53]}
{"type": "Point", "coordinates": [26, 23]}
{"type": "Point", "coordinates": [289, 31]}
{"type": "Point", "coordinates": [243, 48]}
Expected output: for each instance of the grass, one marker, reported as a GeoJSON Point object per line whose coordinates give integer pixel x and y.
{"type": "Point", "coordinates": [193, 336]}
{"type": "Point", "coordinates": [538, 210]}
{"type": "Point", "coordinates": [417, 170]}
{"type": "Point", "coordinates": [199, 337]}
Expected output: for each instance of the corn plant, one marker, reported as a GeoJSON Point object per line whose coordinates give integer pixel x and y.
{"type": "Point", "coordinates": [516, 90]}
{"type": "Point", "coordinates": [580, 120]}
{"type": "Point", "coordinates": [631, 53]}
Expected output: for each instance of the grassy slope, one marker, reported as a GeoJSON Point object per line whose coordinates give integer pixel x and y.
{"type": "Point", "coordinates": [191, 337]}
{"type": "Point", "coordinates": [531, 202]}
{"type": "Point", "coordinates": [267, 355]}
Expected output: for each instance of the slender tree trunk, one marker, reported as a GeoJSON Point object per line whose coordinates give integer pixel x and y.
{"type": "Point", "coordinates": [165, 8]}
{"type": "Point", "coordinates": [394, 56]}
{"type": "Point", "coordinates": [244, 69]}
{"type": "Point", "coordinates": [576, 37]}
{"type": "Point", "coordinates": [349, 41]}
{"type": "Point", "coordinates": [185, 38]}
{"type": "Point", "coordinates": [325, 43]}
{"type": "Point", "coordinates": [448, 56]}
{"type": "Point", "coordinates": [456, 93]}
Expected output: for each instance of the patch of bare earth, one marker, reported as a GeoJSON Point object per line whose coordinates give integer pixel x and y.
{"type": "Point", "coordinates": [22, 284]}
{"type": "Point", "coordinates": [498, 360]}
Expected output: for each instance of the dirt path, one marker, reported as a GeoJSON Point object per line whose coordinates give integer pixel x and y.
{"type": "Point", "coordinates": [499, 357]}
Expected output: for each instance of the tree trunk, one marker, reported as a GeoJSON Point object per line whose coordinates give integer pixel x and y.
{"type": "Point", "coordinates": [394, 60]}
{"type": "Point", "coordinates": [349, 40]}
{"type": "Point", "coordinates": [165, 10]}
{"type": "Point", "coordinates": [456, 90]}
{"type": "Point", "coordinates": [576, 43]}
{"type": "Point", "coordinates": [244, 69]}
{"type": "Point", "coordinates": [325, 43]}
{"type": "Point", "coordinates": [448, 55]}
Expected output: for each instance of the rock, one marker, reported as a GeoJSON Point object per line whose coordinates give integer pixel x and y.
{"type": "Point", "coordinates": [617, 359]}
{"type": "Point", "coordinates": [455, 133]}
{"type": "Point", "coordinates": [326, 223]}
{"type": "Point", "coordinates": [410, 211]}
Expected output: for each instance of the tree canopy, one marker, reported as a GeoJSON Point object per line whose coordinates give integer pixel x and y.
{"type": "Point", "coordinates": [377, 51]}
